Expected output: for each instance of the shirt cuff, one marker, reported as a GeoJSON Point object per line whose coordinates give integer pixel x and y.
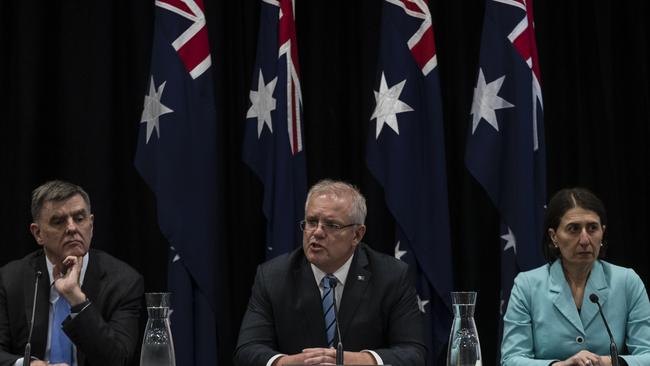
{"type": "Point", "coordinates": [75, 310]}
{"type": "Point", "coordinates": [375, 355]}
{"type": "Point", "coordinates": [272, 359]}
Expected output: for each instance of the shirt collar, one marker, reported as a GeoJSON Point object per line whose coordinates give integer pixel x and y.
{"type": "Point", "coordinates": [341, 274]}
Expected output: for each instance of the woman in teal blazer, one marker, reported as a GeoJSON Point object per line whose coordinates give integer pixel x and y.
{"type": "Point", "coordinates": [550, 319]}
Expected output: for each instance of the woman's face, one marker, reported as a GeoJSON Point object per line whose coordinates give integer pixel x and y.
{"type": "Point", "coordinates": [578, 236]}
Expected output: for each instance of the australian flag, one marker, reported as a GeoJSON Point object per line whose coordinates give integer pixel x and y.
{"type": "Point", "coordinates": [273, 141]}
{"type": "Point", "coordinates": [505, 147]}
{"type": "Point", "coordinates": [406, 154]}
{"type": "Point", "coordinates": [177, 157]}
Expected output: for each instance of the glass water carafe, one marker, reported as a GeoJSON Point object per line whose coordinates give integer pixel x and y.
{"type": "Point", "coordinates": [157, 344]}
{"type": "Point", "coordinates": [464, 347]}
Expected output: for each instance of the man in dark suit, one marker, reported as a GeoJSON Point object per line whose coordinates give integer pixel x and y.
{"type": "Point", "coordinates": [100, 295]}
{"type": "Point", "coordinates": [379, 319]}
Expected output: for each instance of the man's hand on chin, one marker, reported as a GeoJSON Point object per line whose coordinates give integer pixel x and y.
{"type": "Point", "coordinates": [66, 279]}
{"type": "Point", "coordinates": [325, 356]}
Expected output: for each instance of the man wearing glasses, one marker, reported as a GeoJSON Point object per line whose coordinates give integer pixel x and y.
{"type": "Point", "coordinates": [290, 320]}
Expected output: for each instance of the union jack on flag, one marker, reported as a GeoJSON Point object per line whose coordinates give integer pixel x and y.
{"type": "Point", "coordinates": [273, 140]}
{"type": "Point", "coordinates": [406, 154]}
{"type": "Point", "coordinates": [505, 146]}
{"type": "Point", "coordinates": [179, 163]}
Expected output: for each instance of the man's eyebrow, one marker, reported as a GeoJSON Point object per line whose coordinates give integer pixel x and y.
{"type": "Point", "coordinates": [56, 217]}
{"type": "Point", "coordinates": [81, 211]}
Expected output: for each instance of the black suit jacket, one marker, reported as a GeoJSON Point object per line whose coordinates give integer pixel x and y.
{"type": "Point", "coordinates": [378, 311]}
{"type": "Point", "coordinates": [105, 333]}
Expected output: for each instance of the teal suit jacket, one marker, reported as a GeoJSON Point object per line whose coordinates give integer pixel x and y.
{"type": "Point", "coordinates": [542, 323]}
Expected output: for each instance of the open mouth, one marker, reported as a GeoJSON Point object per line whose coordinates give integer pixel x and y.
{"type": "Point", "coordinates": [316, 246]}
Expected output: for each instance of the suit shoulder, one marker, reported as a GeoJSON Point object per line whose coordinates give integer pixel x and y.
{"type": "Point", "coordinates": [112, 264]}
{"type": "Point", "coordinates": [18, 265]}
{"type": "Point", "coordinates": [382, 260]}
{"type": "Point", "coordinates": [613, 269]}
{"type": "Point", "coordinates": [11, 273]}
{"type": "Point", "coordinates": [12, 266]}
{"type": "Point", "coordinates": [616, 275]}
{"type": "Point", "coordinates": [535, 275]}
{"type": "Point", "coordinates": [283, 263]}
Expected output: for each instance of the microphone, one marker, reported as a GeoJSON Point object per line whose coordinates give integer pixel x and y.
{"type": "Point", "coordinates": [613, 352]}
{"type": "Point", "coordinates": [339, 347]}
{"type": "Point", "coordinates": [28, 347]}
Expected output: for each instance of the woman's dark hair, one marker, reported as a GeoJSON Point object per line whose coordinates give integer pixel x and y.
{"type": "Point", "coordinates": [564, 200]}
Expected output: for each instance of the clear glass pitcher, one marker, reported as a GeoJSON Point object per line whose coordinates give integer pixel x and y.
{"type": "Point", "coordinates": [157, 344]}
{"type": "Point", "coordinates": [464, 347]}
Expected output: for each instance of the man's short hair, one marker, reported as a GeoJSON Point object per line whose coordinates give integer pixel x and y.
{"type": "Point", "coordinates": [57, 191]}
{"type": "Point", "coordinates": [341, 189]}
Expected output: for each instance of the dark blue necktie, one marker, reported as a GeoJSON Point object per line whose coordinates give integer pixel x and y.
{"type": "Point", "coordinates": [61, 347]}
{"type": "Point", "coordinates": [328, 309]}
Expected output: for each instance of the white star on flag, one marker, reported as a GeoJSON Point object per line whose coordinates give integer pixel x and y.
{"type": "Point", "coordinates": [153, 109]}
{"type": "Point", "coordinates": [486, 101]}
{"type": "Point", "coordinates": [262, 103]}
{"type": "Point", "coordinates": [389, 105]}
{"type": "Point", "coordinates": [501, 303]}
{"type": "Point", "coordinates": [422, 304]}
{"type": "Point", "coordinates": [510, 241]}
{"type": "Point", "coordinates": [399, 253]}
{"type": "Point", "coordinates": [176, 256]}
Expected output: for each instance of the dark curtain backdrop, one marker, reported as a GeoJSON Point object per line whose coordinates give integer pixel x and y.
{"type": "Point", "coordinates": [73, 76]}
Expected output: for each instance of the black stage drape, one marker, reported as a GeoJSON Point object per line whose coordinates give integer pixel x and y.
{"type": "Point", "coordinates": [73, 76]}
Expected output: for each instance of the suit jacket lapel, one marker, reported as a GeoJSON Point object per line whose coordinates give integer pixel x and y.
{"type": "Point", "coordinates": [41, 318]}
{"type": "Point", "coordinates": [355, 287]}
{"type": "Point", "coordinates": [309, 301]}
{"type": "Point", "coordinates": [562, 298]}
{"type": "Point", "coordinates": [596, 284]}
{"type": "Point", "coordinates": [93, 278]}
{"type": "Point", "coordinates": [91, 286]}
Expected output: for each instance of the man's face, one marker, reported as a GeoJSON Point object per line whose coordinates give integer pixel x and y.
{"type": "Point", "coordinates": [324, 246]}
{"type": "Point", "coordinates": [64, 228]}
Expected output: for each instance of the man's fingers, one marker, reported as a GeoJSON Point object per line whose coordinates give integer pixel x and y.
{"type": "Point", "coordinates": [73, 262]}
{"type": "Point", "coordinates": [315, 356]}
{"type": "Point", "coordinates": [315, 349]}
{"type": "Point", "coordinates": [320, 360]}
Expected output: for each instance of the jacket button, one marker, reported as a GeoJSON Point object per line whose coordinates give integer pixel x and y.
{"type": "Point", "coordinates": [579, 339]}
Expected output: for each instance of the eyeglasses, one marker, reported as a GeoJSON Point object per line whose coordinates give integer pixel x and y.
{"type": "Point", "coordinates": [328, 227]}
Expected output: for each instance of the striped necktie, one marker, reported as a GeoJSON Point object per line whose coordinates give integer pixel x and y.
{"type": "Point", "coordinates": [328, 309]}
{"type": "Point", "coordinates": [61, 347]}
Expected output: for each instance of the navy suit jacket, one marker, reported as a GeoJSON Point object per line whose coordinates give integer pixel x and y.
{"type": "Point", "coordinates": [378, 310]}
{"type": "Point", "coordinates": [105, 333]}
{"type": "Point", "coordinates": [542, 323]}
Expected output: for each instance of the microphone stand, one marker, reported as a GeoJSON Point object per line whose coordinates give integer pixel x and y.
{"type": "Point", "coordinates": [28, 347]}
{"type": "Point", "coordinates": [613, 352]}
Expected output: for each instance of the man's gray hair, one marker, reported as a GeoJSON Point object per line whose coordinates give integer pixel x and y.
{"type": "Point", "coordinates": [341, 189]}
{"type": "Point", "coordinates": [57, 191]}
